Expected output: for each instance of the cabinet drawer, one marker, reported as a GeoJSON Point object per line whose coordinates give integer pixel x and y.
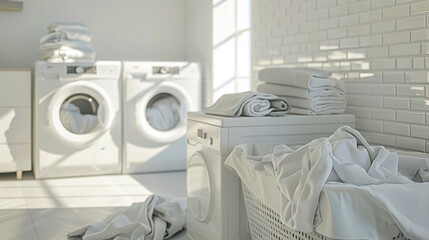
{"type": "Point", "coordinates": [15, 157]}
{"type": "Point", "coordinates": [15, 88]}
{"type": "Point", "coordinates": [15, 125]}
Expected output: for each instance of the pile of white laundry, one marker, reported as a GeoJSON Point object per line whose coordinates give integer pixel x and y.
{"type": "Point", "coordinates": [67, 42]}
{"type": "Point", "coordinates": [76, 122]}
{"type": "Point", "coordinates": [309, 91]}
{"type": "Point", "coordinates": [165, 113]}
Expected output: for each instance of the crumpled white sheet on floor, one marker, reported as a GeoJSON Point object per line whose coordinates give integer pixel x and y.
{"type": "Point", "coordinates": [154, 219]}
{"type": "Point", "coordinates": [343, 157]}
{"type": "Point", "coordinates": [76, 122]}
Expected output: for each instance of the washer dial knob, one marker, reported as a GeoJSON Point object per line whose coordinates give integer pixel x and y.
{"type": "Point", "coordinates": [164, 70]}
{"type": "Point", "coordinates": [80, 70]}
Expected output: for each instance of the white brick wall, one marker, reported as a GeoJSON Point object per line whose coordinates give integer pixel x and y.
{"type": "Point", "coordinates": [379, 47]}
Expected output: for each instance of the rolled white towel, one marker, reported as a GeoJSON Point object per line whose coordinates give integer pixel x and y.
{"type": "Point", "coordinates": [283, 90]}
{"type": "Point", "coordinates": [249, 104]}
{"type": "Point", "coordinates": [318, 103]}
{"type": "Point", "coordinates": [73, 44]}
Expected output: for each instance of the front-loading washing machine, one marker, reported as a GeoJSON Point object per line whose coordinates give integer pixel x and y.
{"type": "Point", "coordinates": [216, 209]}
{"type": "Point", "coordinates": [76, 119]}
{"type": "Point", "coordinates": [157, 96]}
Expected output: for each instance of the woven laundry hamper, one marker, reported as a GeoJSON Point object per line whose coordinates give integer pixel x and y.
{"type": "Point", "coordinates": [265, 223]}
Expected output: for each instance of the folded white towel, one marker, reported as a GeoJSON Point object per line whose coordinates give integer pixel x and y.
{"type": "Point", "coordinates": [59, 26]}
{"type": "Point", "coordinates": [65, 52]}
{"type": "Point", "coordinates": [53, 37]}
{"type": "Point", "coordinates": [62, 42]}
{"type": "Point", "coordinates": [304, 111]}
{"type": "Point", "coordinates": [69, 60]}
{"type": "Point", "coordinates": [318, 103]}
{"type": "Point", "coordinates": [81, 35]}
{"type": "Point", "coordinates": [300, 77]}
{"type": "Point", "coordinates": [283, 90]}
{"type": "Point", "coordinates": [249, 104]}
{"type": "Point", "coordinates": [156, 218]}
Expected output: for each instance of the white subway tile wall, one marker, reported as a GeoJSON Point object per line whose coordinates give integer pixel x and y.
{"type": "Point", "coordinates": [380, 48]}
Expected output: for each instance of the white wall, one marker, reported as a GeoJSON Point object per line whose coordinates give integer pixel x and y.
{"type": "Point", "coordinates": [380, 48]}
{"type": "Point", "coordinates": [122, 30]}
{"type": "Point", "coordinates": [198, 41]}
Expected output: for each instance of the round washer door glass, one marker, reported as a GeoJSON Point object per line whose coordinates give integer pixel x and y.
{"type": "Point", "coordinates": [199, 187]}
{"type": "Point", "coordinates": [79, 114]}
{"type": "Point", "coordinates": [160, 114]}
{"type": "Point", "coordinates": [164, 112]}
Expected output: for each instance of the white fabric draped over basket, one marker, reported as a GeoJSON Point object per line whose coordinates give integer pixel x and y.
{"type": "Point", "coordinates": [379, 179]}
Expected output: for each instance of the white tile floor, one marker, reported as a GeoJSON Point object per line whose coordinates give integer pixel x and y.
{"type": "Point", "coordinates": [48, 209]}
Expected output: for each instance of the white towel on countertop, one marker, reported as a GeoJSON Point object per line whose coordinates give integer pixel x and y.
{"type": "Point", "coordinates": [300, 77]}
{"type": "Point", "coordinates": [304, 111]}
{"type": "Point", "coordinates": [156, 218]}
{"type": "Point", "coordinates": [249, 104]}
{"type": "Point", "coordinates": [283, 90]}
{"type": "Point", "coordinates": [318, 103]}
{"type": "Point", "coordinates": [72, 44]}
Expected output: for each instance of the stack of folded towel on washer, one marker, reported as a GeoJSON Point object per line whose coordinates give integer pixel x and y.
{"type": "Point", "coordinates": [67, 42]}
{"type": "Point", "coordinates": [309, 91]}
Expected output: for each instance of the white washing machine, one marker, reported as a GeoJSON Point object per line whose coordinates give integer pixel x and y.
{"type": "Point", "coordinates": [76, 119]}
{"type": "Point", "coordinates": [157, 96]}
{"type": "Point", "coordinates": [216, 208]}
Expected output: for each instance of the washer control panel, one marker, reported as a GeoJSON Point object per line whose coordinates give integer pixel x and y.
{"type": "Point", "coordinates": [165, 70]}
{"type": "Point", "coordinates": [81, 70]}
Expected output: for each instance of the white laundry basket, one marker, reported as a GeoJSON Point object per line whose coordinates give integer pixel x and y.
{"type": "Point", "coordinates": [265, 223]}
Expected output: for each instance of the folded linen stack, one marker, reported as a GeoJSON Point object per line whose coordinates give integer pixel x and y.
{"type": "Point", "coordinates": [309, 91]}
{"type": "Point", "coordinates": [67, 42]}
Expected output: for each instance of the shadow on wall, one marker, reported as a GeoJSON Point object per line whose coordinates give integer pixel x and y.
{"type": "Point", "coordinates": [16, 125]}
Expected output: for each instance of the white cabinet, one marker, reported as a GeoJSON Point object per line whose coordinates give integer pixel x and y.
{"type": "Point", "coordinates": [15, 120]}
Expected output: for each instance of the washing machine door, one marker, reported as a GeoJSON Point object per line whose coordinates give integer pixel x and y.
{"type": "Point", "coordinates": [161, 112]}
{"type": "Point", "coordinates": [200, 187]}
{"type": "Point", "coordinates": [79, 112]}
